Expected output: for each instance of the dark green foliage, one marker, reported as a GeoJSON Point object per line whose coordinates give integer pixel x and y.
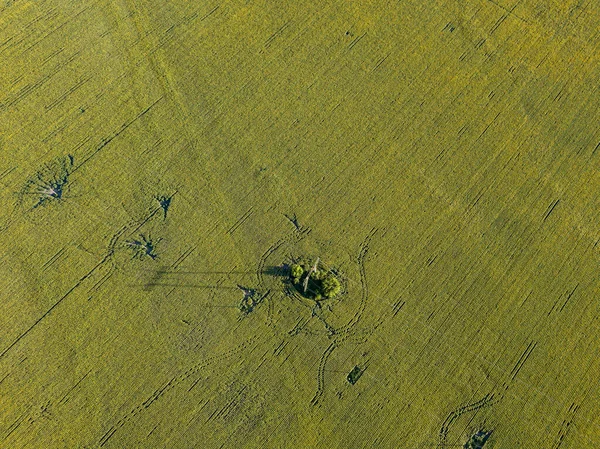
{"type": "Point", "coordinates": [331, 286]}
{"type": "Point", "coordinates": [296, 271]}
{"type": "Point", "coordinates": [321, 283]}
{"type": "Point", "coordinates": [318, 275]}
{"type": "Point", "coordinates": [354, 375]}
{"type": "Point", "coordinates": [251, 299]}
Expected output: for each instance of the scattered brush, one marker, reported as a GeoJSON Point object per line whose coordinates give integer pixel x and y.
{"type": "Point", "coordinates": [143, 247]}
{"type": "Point", "coordinates": [477, 440]}
{"type": "Point", "coordinates": [49, 184]}
{"type": "Point", "coordinates": [164, 202]}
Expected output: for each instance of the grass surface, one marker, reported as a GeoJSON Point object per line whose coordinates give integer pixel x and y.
{"type": "Point", "coordinates": [441, 155]}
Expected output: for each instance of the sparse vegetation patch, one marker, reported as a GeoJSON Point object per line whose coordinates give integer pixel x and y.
{"type": "Point", "coordinates": [249, 302]}
{"type": "Point", "coordinates": [354, 375]}
{"type": "Point", "coordinates": [165, 202]}
{"type": "Point", "coordinates": [143, 247]}
{"type": "Point", "coordinates": [49, 183]}
{"type": "Point", "coordinates": [477, 440]}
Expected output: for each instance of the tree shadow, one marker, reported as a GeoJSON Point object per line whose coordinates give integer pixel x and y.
{"type": "Point", "coordinates": [277, 270]}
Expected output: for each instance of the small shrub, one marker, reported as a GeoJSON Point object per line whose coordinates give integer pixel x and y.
{"type": "Point", "coordinates": [249, 301]}
{"type": "Point", "coordinates": [354, 375]}
{"type": "Point", "coordinates": [331, 286]}
{"type": "Point", "coordinates": [296, 271]}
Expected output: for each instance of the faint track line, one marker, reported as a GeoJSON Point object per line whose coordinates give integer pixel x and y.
{"type": "Point", "coordinates": [107, 257]}
{"type": "Point", "coordinates": [167, 386]}
{"type": "Point", "coordinates": [54, 306]}
{"type": "Point", "coordinates": [321, 373]}
{"type": "Point", "coordinates": [105, 141]}
{"type": "Point", "coordinates": [486, 401]}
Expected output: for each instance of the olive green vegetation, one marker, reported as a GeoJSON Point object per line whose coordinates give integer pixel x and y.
{"type": "Point", "coordinates": [160, 160]}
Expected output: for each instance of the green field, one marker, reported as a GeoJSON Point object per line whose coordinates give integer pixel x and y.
{"type": "Point", "coordinates": [162, 163]}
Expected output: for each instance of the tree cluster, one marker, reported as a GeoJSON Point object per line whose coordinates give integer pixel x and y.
{"type": "Point", "coordinates": [313, 281]}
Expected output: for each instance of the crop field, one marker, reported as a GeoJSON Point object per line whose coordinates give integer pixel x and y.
{"type": "Point", "coordinates": [431, 167]}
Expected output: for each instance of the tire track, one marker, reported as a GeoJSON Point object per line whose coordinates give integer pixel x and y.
{"type": "Point", "coordinates": [566, 426]}
{"type": "Point", "coordinates": [168, 386]}
{"type": "Point", "coordinates": [486, 401]}
{"type": "Point", "coordinates": [108, 257]}
{"type": "Point", "coordinates": [321, 373]}
{"type": "Point", "coordinates": [364, 249]}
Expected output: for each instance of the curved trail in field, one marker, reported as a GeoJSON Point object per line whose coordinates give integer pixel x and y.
{"type": "Point", "coordinates": [133, 226]}
{"type": "Point", "coordinates": [486, 401]}
{"type": "Point", "coordinates": [364, 249]}
{"type": "Point", "coordinates": [321, 373]}
{"type": "Point", "coordinates": [338, 336]}
{"type": "Point", "coordinates": [168, 386]}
